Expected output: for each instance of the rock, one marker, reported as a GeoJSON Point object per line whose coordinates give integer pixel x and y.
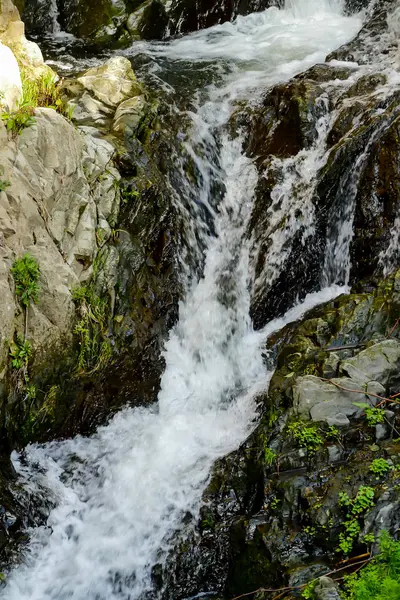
{"type": "Point", "coordinates": [323, 401]}
{"type": "Point", "coordinates": [102, 21]}
{"type": "Point", "coordinates": [108, 97]}
{"type": "Point", "coordinates": [380, 362]}
{"type": "Point", "coordinates": [326, 589]}
{"type": "Point", "coordinates": [111, 83]}
{"type": "Point", "coordinates": [10, 80]}
{"type": "Point", "coordinates": [129, 115]}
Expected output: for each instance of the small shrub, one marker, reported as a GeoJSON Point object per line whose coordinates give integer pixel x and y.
{"type": "Point", "coordinates": [306, 435]}
{"type": "Point", "coordinates": [26, 273]}
{"type": "Point", "coordinates": [380, 467]}
{"type": "Point", "coordinates": [380, 580]}
{"type": "Point", "coordinates": [355, 508]}
{"type": "Point", "coordinates": [269, 456]}
{"type": "Point", "coordinates": [16, 122]}
{"type": "Point", "coordinates": [44, 91]}
{"type": "Point", "coordinates": [95, 348]}
{"type": "Point", "coordinates": [373, 415]}
{"type": "Point", "coordinates": [20, 352]}
{"type": "Point", "coordinates": [4, 185]}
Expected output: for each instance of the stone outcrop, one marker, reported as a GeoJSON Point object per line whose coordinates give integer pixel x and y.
{"type": "Point", "coordinates": [272, 516]}
{"type": "Point", "coordinates": [357, 126]}
{"type": "Point", "coordinates": [117, 23]}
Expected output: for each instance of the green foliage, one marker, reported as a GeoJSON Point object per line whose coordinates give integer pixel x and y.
{"type": "Point", "coordinates": [307, 435]}
{"type": "Point", "coordinates": [373, 415]}
{"type": "Point", "coordinates": [269, 456]}
{"type": "Point", "coordinates": [380, 467]}
{"type": "Point", "coordinates": [16, 122]}
{"type": "Point", "coordinates": [4, 185]}
{"type": "Point", "coordinates": [309, 591]}
{"type": "Point", "coordinates": [20, 352]}
{"type": "Point", "coordinates": [44, 91]}
{"type": "Point", "coordinates": [95, 348]}
{"type": "Point", "coordinates": [26, 273]}
{"type": "Point", "coordinates": [356, 507]}
{"type": "Point", "coordinates": [333, 433]}
{"type": "Point", "coordinates": [380, 580]}
{"type": "Point", "coordinates": [369, 538]}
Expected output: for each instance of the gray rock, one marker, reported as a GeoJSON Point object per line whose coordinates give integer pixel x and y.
{"type": "Point", "coordinates": [323, 401]}
{"type": "Point", "coordinates": [326, 589]}
{"type": "Point", "coordinates": [380, 362]}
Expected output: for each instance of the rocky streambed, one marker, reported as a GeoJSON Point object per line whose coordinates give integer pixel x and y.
{"type": "Point", "coordinates": [218, 233]}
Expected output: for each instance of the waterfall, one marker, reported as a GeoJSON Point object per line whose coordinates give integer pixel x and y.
{"type": "Point", "coordinates": [120, 496]}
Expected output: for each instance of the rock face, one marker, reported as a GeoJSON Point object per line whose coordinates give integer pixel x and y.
{"type": "Point", "coordinates": [356, 123]}
{"type": "Point", "coordinates": [117, 22]}
{"type": "Point", "coordinates": [272, 516]}
{"type": "Point", "coordinates": [81, 209]}
{"type": "Point", "coordinates": [10, 79]}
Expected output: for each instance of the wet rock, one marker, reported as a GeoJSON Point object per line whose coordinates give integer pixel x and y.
{"type": "Point", "coordinates": [326, 589]}
{"type": "Point", "coordinates": [294, 527]}
{"type": "Point", "coordinates": [10, 80]}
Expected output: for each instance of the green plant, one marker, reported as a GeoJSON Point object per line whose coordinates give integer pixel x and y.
{"type": "Point", "coordinates": [4, 184]}
{"type": "Point", "coordinates": [357, 506]}
{"type": "Point", "coordinates": [380, 580]}
{"type": "Point", "coordinates": [369, 538]}
{"type": "Point", "coordinates": [333, 433]}
{"type": "Point", "coordinates": [275, 502]}
{"type": "Point", "coordinates": [309, 591]}
{"type": "Point", "coordinates": [20, 352]}
{"type": "Point", "coordinates": [16, 122]}
{"type": "Point", "coordinates": [307, 435]}
{"type": "Point", "coordinates": [45, 91]}
{"type": "Point", "coordinates": [26, 273]}
{"type": "Point", "coordinates": [373, 415]}
{"type": "Point", "coordinates": [95, 348]}
{"type": "Point", "coordinates": [379, 467]}
{"type": "Point", "coordinates": [269, 456]}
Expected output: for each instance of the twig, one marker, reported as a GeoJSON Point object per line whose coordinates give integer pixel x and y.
{"type": "Point", "coordinates": [393, 328]}
{"type": "Point", "coordinates": [364, 392]}
{"type": "Point", "coordinates": [347, 347]}
{"type": "Point", "coordinates": [353, 558]}
{"type": "Point", "coordinates": [283, 590]}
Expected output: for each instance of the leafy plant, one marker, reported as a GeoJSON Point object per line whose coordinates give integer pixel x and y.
{"type": "Point", "coordinates": [309, 591]}
{"type": "Point", "coordinates": [380, 467]}
{"type": "Point", "coordinates": [4, 185]}
{"type": "Point", "coordinates": [333, 433]}
{"type": "Point", "coordinates": [355, 508]}
{"type": "Point", "coordinates": [306, 435]}
{"type": "Point", "coordinates": [380, 580]}
{"type": "Point", "coordinates": [16, 122]}
{"type": "Point", "coordinates": [20, 352]}
{"type": "Point", "coordinates": [44, 91]}
{"type": "Point", "coordinates": [94, 346]}
{"type": "Point", "coordinates": [269, 456]}
{"type": "Point", "coordinates": [26, 273]}
{"type": "Point", "coordinates": [373, 415]}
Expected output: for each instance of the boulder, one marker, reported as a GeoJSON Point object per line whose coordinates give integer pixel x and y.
{"type": "Point", "coordinates": [10, 80]}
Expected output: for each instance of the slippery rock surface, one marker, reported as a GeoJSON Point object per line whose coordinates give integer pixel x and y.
{"type": "Point", "coordinates": [116, 23]}
{"type": "Point", "coordinates": [271, 515]}
{"type": "Point", "coordinates": [348, 113]}
{"type": "Point", "coordinates": [10, 79]}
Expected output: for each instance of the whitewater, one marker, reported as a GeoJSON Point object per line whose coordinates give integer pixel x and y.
{"type": "Point", "coordinates": [119, 497]}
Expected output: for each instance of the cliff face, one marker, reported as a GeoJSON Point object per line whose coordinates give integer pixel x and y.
{"type": "Point", "coordinates": [74, 200]}
{"type": "Point", "coordinates": [117, 23]}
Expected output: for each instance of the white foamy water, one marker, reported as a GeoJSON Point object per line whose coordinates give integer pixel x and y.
{"type": "Point", "coordinates": [120, 495]}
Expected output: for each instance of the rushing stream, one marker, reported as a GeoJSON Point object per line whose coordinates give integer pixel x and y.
{"type": "Point", "coordinates": [120, 496]}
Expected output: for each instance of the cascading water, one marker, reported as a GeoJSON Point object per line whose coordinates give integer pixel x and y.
{"type": "Point", "coordinates": [120, 496]}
